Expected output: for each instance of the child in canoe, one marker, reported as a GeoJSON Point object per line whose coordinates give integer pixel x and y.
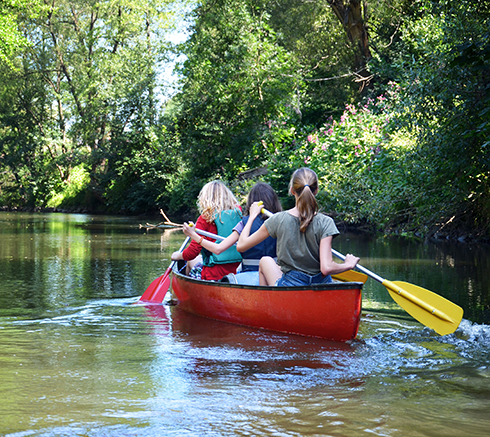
{"type": "Point", "coordinates": [250, 258]}
{"type": "Point", "coordinates": [304, 239]}
{"type": "Point", "coordinates": [219, 213]}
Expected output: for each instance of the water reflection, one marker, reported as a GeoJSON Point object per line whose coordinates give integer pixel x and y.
{"type": "Point", "coordinates": [57, 259]}
{"type": "Point", "coordinates": [248, 374]}
{"type": "Point", "coordinates": [78, 358]}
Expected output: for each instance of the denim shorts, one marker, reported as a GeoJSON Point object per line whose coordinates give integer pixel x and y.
{"type": "Point", "coordinates": [248, 278]}
{"type": "Point", "coordinates": [294, 278]}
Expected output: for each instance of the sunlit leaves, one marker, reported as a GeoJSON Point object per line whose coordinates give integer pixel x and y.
{"type": "Point", "coordinates": [236, 79]}
{"type": "Point", "coordinates": [85, 93]}
{"type": "Point", "coordinates": [11, 35]}
{"type": "Point", "coordinates": [443, 69]}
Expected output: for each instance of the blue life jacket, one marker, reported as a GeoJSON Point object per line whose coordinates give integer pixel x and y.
{"type": "Point", "coordinates": [229, 219]}
{"type": "Point", "coordinates": [251, 257]}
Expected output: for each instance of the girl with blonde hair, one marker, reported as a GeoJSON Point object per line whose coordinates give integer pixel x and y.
{"type": "Point", "coordinates": [219, 213]}
{"type": "Point", "coordinates": [304, 239]}
{"type": "Point", "coordinates": [250, 259]}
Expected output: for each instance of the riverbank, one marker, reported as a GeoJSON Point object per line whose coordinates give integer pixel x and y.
{"type": "Point", "coordinates": [451, 231]}
{"type": "Point", "coordinates": [78, 210]}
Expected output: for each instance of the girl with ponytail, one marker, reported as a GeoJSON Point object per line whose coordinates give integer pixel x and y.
{"type": "Point", "coordinates": [304, 183]}
{"type": "Point", "coordinates": [304, 239]}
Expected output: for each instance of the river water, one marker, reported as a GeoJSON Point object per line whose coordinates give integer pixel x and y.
{"type": "Point", "coordinates": [78, 358]}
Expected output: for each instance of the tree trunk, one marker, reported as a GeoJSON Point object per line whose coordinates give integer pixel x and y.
{"type": "Point", "coordinates": [353, 16]}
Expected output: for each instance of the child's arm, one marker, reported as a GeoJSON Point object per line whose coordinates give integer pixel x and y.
{"type": "Point", "coordinates": [247, 241]}
{"type": "Point", "coordinates": [216, 248]}
{"type": "Point", "coordinates": [327, 265]}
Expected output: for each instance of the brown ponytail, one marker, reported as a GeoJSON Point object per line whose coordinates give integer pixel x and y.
{"type": "Point", "coordinates": [304, 183]}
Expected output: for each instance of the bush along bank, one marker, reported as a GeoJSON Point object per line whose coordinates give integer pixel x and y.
{"type": "Point", "coordinates": [372, 175]}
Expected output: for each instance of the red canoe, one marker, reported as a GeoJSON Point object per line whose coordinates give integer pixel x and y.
{"type": "Point", "coordinates": [330, 311]}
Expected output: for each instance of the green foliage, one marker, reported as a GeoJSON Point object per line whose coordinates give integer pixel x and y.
{"type": "Point", "coordinates": [26, 157]}
{"type": "Point", "coordinates": [84, 94]}
{"type": "Point", "coordinates": [263, 84]}
{"type": "Point", "coordinates": [444, 72]}
{"type": "Point", "coordinates": [143, 173]}
{"type": "Point", "coordinates": [316, 41]}
{"type": "Point", "coordinates": [11, 37]}
{"type": "Point", "coordinates": [236, 79]}
{"type": "Point", "coordinates": [77, 183]}
{"type": "Point", "coordinates": [362, 160]}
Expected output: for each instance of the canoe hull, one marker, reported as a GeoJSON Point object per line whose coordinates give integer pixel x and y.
{"type": "Point", "coordinates": [330, 311]}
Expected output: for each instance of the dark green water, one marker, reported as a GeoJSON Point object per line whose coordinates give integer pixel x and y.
{"type": "Point", "coordinates": [77, 358]}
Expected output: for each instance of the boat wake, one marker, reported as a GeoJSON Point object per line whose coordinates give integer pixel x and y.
{"type": "Point", "coordinates": [414, 353]}
{"type": "Point", "coordinates": [386, 347]}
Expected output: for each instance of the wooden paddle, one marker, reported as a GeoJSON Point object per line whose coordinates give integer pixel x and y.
{"type": "Point", "coordinates": [158, 289]}
{"type": "Point", "coordinates": [430, 309]}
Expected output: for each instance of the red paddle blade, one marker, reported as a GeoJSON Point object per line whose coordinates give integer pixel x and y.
{"type": "Point", "coordinates": [151, 289]}
{"type": "Point", "coordinates": [157, 290]}
{"type": "Point", "coordinates": [161, 290]}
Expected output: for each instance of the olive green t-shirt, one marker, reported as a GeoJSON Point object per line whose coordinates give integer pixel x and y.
{"type": "Point", "coordinates": [299, 250]}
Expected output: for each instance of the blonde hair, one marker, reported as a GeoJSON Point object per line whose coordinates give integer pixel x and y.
{"type": "Point", "coordinates": [304, 185]}
{"type": "Point", "coordinates": [214, 198]}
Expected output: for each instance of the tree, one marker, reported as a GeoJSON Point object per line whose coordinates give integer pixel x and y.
{"type": "Point", "coordinates": [352, 16]}
{"type": "Point", "coordinates": [85, 92]}
{"type": "Point", "coordinates": [442, 63]}
{"type": "Point", "coordinates": [236, 79]}
{"type": "Point", "coordinates": [11, 38]}
{"type": "Point", "coordinates": [323, 57]}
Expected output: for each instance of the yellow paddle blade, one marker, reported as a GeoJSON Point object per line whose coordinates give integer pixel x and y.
{"type": "Point", "coordinates": [351, 276]}
{"type": "Point", "coordinates": [428, 308]}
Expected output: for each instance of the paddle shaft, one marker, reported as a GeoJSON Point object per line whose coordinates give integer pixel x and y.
{"type": "Point", "coordinates": [172, 264]}
{"type": "Point", "coordinates": [403, 293]}
{"type": "Point", "coordinates": [209, 234]}
{"type": "Point", "coordinates": [158, 289]}
{"type": "Point", "coordinates": [360, 268]}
